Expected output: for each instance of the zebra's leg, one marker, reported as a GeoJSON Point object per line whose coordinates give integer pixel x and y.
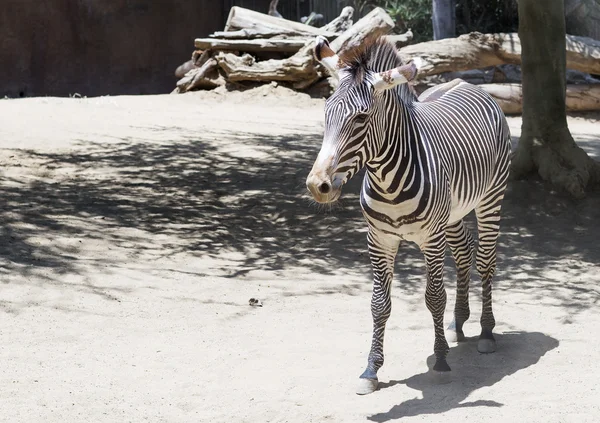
{"type": "Point", "coordinates": [382, 252]}
{"type": "Point", "coordinates": [488, 225]}
{"type": "Point", "coordinates": [434, 250]}
{"type": "Point", "coordinates": [462, 245]}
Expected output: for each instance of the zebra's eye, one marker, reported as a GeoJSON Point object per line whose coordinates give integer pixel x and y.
{"type": "Point", "coordinates": [361, 118]}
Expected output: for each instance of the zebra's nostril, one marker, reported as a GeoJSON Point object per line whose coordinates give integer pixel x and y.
{"type": "Point", "coordinates": [324, 188]}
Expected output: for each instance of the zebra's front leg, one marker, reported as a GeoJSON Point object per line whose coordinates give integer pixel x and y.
{"type": "Point", "coordinates": [382, 252]}
{"type": "Point", "coordinates": [435, 296]}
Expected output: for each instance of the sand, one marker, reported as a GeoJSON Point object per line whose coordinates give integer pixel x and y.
{"type": "Point", "coordinates": [136, 229]}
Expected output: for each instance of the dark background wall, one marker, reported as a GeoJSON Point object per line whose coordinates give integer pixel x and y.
{"type": "Point", "coordinates": [109, 47]}
{"type": "Point", "coordinates": [99, 47]}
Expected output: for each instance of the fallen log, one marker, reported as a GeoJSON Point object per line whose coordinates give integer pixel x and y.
{"type": "Point", "coordinates": [377, 22]}
{"type": "Point", "coordinates": [244, 68]}
{"type": "Point", "coordinates": [476, 50]}
{"type": "Point", "coordinates": [338, 25]}
{"type": "Point", "coordinates": [502, 74]}
{"type": "Point", "coordinates": [205, 76]}
{"type": "Point", "coordinates": [579, 98]}
{"type": "Point", "coordinates": [583, 54]}
{"type": "Point", "coordinates": [240, 18]}
{"type": "Point", "coordinates": [243, 34]}
{"type": "Point", "coordinates": [286, 45]}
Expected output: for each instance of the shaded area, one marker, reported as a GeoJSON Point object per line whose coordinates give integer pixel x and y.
{"type": "Point", "coordinates": [549, 245]}
{"type": "Point", "coordinates": [470, 371]}
{"type": "Point", "coordinates": [214, 200]}
{"type": "Point", "coordinates": [239, 199]}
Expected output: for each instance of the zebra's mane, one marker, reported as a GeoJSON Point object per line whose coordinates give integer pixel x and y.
{"type": "Point", "coordinates": [375, 54]}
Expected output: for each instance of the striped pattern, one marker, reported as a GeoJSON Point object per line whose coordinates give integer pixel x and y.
{"type": "Point", "coordinates": [429, 163]}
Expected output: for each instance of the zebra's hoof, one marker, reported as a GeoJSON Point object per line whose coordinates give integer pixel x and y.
{"type": "Point", "coordinates": [453, 336]}
{"type": "Point", "coordinates": [366, 386]}
{"type": "Point", "coordinates": [486, 343]}
{"type": "Point", "coordinates": [486, 346]}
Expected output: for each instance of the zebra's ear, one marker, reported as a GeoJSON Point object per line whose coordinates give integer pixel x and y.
{"type": "Point", "coordinates": [325, 55]}
{"type": "Point", "coordinates": [400, 75]}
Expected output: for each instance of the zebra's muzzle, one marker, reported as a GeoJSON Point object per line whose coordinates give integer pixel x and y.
{"type": "Point", "coordinates": [323, 188]}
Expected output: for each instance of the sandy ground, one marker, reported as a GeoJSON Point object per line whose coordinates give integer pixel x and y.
{"type": "Point", "coordinates": [135, 230]}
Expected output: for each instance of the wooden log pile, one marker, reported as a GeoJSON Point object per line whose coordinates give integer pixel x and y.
{"type": "Point", "coordinates": [258, 48]}
{"type": "Point", "coordinates": [255, 47]}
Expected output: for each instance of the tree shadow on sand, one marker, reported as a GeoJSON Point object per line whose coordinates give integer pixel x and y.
{"type": "Point", "coordinates": [190, 193]}
{"type": "Point", "coordinates": [470, 371]}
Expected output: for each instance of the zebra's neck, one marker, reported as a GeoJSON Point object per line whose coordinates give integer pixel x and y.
{"type": "Point", "coordinates": [399, 168]}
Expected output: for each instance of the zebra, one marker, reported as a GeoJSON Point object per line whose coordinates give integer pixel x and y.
{"type": "Point", "coordinates": [429, 162]}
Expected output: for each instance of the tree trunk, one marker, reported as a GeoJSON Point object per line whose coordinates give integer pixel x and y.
{"type": "Point", "coordinates": [546, 145]}
{"type": "Point", "coordinates": [444, 19]}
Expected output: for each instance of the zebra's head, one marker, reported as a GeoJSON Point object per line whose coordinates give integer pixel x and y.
{"type": "Point", "coordinates": [351, 123]}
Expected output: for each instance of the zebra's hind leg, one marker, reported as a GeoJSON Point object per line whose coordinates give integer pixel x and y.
{"type": "Point", "coordinates": [382, 252]}
{"type": "Point", "coordinates": [488, 226]}
{"type": "Point", "coordinates": [434, 250]}
{"type": "Point", "coordinates": [462, 245]}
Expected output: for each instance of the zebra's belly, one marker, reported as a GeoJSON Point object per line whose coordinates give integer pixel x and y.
{"type": "Point", "coordinates": [396, 218]}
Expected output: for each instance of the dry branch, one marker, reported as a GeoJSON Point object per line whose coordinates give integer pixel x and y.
{"type": "Point", "coordinates": [579, 97]}
{"type": "Point", "coordinates": [341, 23]}
{"type": "Point", "coordinates": [475, 51]}
{"type": "Point", "coordinates": [400, 40]}
{"type": "Point", "coordinates": [199, 57]}
{"type": "Point", "coordinates": [206, 76]}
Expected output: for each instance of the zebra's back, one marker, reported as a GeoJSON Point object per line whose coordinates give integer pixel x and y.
{"type": "Point", "coordinates": [469, 139]}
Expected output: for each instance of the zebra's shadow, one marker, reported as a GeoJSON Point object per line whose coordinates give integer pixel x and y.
{"type": "Point", "coordinates": [470, 371]}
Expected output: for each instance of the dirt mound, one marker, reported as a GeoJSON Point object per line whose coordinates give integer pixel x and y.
{"type": "Point", "coordinates": [272, 94]}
